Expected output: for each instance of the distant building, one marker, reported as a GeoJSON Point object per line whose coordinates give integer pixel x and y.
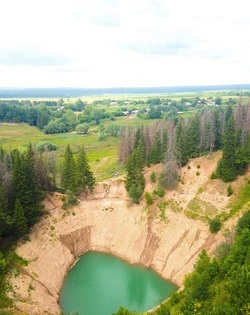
{"type": "Point", "coordinates": [210, 103]}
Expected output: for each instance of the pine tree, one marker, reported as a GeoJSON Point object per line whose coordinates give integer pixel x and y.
{"type": "Point", "coordinates": [226, 168]}
{"type": "Point", "coordinates": [20, 222]}
{"type": "Point", "coordinates": [69, 178]}
{"type": "Point", "coordinates": [229, 113]}
{"type": "Point", "coordinates": [25, 185]}
{"type": "Point", "coordinates": [181, 143]}
{"type": "Point", "coordinates": [218, 129]}
{"type": "Point", "coordinates": [85, 176]}
{"type": "Point", "coordinates": [43, 178]}
{"type": "Point", "coordinates": [5, 218]}
{"type": "Point", "coordinates": [194, 137]}
{"type": "Point", "coordinates": [135, 181]}
{"type": "Point", "coordinates": [140, 147]}
{"type": "Point", "coordinates": [156, 153]}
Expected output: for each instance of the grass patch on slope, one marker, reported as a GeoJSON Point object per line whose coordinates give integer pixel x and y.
{"type": "Point", "coordinates": [200, 209]}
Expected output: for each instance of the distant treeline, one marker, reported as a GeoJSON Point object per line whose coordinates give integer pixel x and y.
{"type": "Point", "coordinates": [53, 116]}
{"type": "Point", "coordinates": [61, 116]}
{"type": "Point", "coordinates": [78, 92]}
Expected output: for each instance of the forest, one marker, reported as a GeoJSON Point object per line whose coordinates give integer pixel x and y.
{"type": "Point", "coordinates": [173, 144]}
{"type": "Point", "coordinates": [171, 139]}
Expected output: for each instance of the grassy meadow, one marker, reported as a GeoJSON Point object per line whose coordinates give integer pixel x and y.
{"type": "Point", "coordinates": [102, 155]}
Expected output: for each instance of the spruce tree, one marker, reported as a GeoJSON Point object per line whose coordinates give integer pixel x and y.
{"type": "Point", "coordinates": [181, 143]}
{"type": "Point", "coordinates": [25, 185]}
{"type": "Point", "coordinates": [140, 147]}
{"type": "Point", "coordinates": [156, 153]}
{"type": "Point", "coordinates": [5, 218]}
{"type": "Point", "coordinates": [69, 178]}
{"type": "Point", "coordinates": [85, 176]}
{"type": "Point", "coordinates": [217, 130]}
{"type": "Point", "coordinates": [226, 168]}
{"type": "Point", "coordinates": [20, 222]}
{"type": "Point", "coordinates": [135, 182]}
{"type": "Point", "coordinates": [193, 137]}
{"type": "Point", "coordinates": [228, 113]}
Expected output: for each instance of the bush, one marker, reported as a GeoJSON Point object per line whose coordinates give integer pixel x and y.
{"type": "Point", "coordinates": [149, 198]}
{"type": "Point", "coordinates": [101, 136]}
{"type": "Point", "coordinates": [214, 175]}
{"type": "Point", "coordinates": [153, 177]}
{"type": "Point", "coordinates": [198, 166]}
{"type": "Point", "coordinates": [159, 192]}
{"type": "Point", "coordinates": [215, 225]}
{"type": "Point", "coordinates": [69, 200]}
{"type": "Point", "coordinates": [135, 192]}
{"type": "Point", "coordinates": [244, 222]}
{"type": "Point", "coordinates": [198, 173]}
{"type": "Point", "coordinates": [229, 190]}
{"type": "Point", "coordinates": [46, 146]}
{"type": "Point", "coordinates": [82, 129]}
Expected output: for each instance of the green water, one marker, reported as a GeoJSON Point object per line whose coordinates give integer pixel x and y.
{"type": "Point", "coordinates": [100, 283]}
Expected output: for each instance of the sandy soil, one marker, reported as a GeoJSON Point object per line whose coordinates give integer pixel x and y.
{"type": "Point", "coordinates": [107, 221]}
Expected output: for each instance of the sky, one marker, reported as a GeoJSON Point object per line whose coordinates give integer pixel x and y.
{"type": "Point", "coordinates": [124, 43]}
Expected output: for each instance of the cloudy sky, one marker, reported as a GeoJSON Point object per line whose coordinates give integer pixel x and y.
{"type": "Point", "coordinates": [124, 43]}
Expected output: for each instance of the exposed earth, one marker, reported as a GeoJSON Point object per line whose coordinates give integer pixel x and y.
{"type": "Point", "coordinates": [167, 240]}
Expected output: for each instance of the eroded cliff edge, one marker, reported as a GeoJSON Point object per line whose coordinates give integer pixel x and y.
{"type": "Point", "coordinates": [111, 224]}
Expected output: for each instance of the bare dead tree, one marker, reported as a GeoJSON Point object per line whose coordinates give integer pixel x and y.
{"type": "Point", "coordinates": [169, 178]}
{"type": "Point", "coordinates": [126, 145]}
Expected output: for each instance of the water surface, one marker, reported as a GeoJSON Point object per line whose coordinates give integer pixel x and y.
{"type": "Point", "coordinates": [100, 283]}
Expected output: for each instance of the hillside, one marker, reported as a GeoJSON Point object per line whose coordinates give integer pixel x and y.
{"type": "Point", "coordinates": [167, 239]}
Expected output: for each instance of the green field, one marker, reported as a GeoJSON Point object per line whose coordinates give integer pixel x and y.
{"type": "Point", "coordinates": [102, 155]}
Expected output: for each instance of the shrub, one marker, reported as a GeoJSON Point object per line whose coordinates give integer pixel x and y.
{"type": "Point", "coordinates": [153, 177]}
{"type": "Point", "coordinates": [189, 167]}
{"type": "Point", "coordinates": [149, 198]}
{"type": "Point", "coordinates": [135, 192]}
{"type": "Point", "coordinates": [198, 166]}
{"type": "Point", "coordinates": [101, 136]}
{"type": "Point", "coordinates": [82, 128]}
{"type": "Point", "coordinates": [213, 175]}
{"type": "Point", "coordinates": [229, 190]}
{"type": "Point", "coordinates": [69, 200]}
{"type": "Point", "coordinates": [159, 192]}
{"type": "Point", "coordinates": [215, 225]}
{"type": "Point", "coordinates": [46, 146]}
{"type": "Point", "coordinates": [244, 222]}
{"type": "Point", "coordinates": [198, 173]}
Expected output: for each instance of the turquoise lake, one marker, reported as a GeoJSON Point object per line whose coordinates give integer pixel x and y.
{"type": "Point", "coordinates": [100, 283]}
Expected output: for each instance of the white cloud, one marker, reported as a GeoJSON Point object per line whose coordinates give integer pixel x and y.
{"type": "Point", "coordinates": [112, 43]}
